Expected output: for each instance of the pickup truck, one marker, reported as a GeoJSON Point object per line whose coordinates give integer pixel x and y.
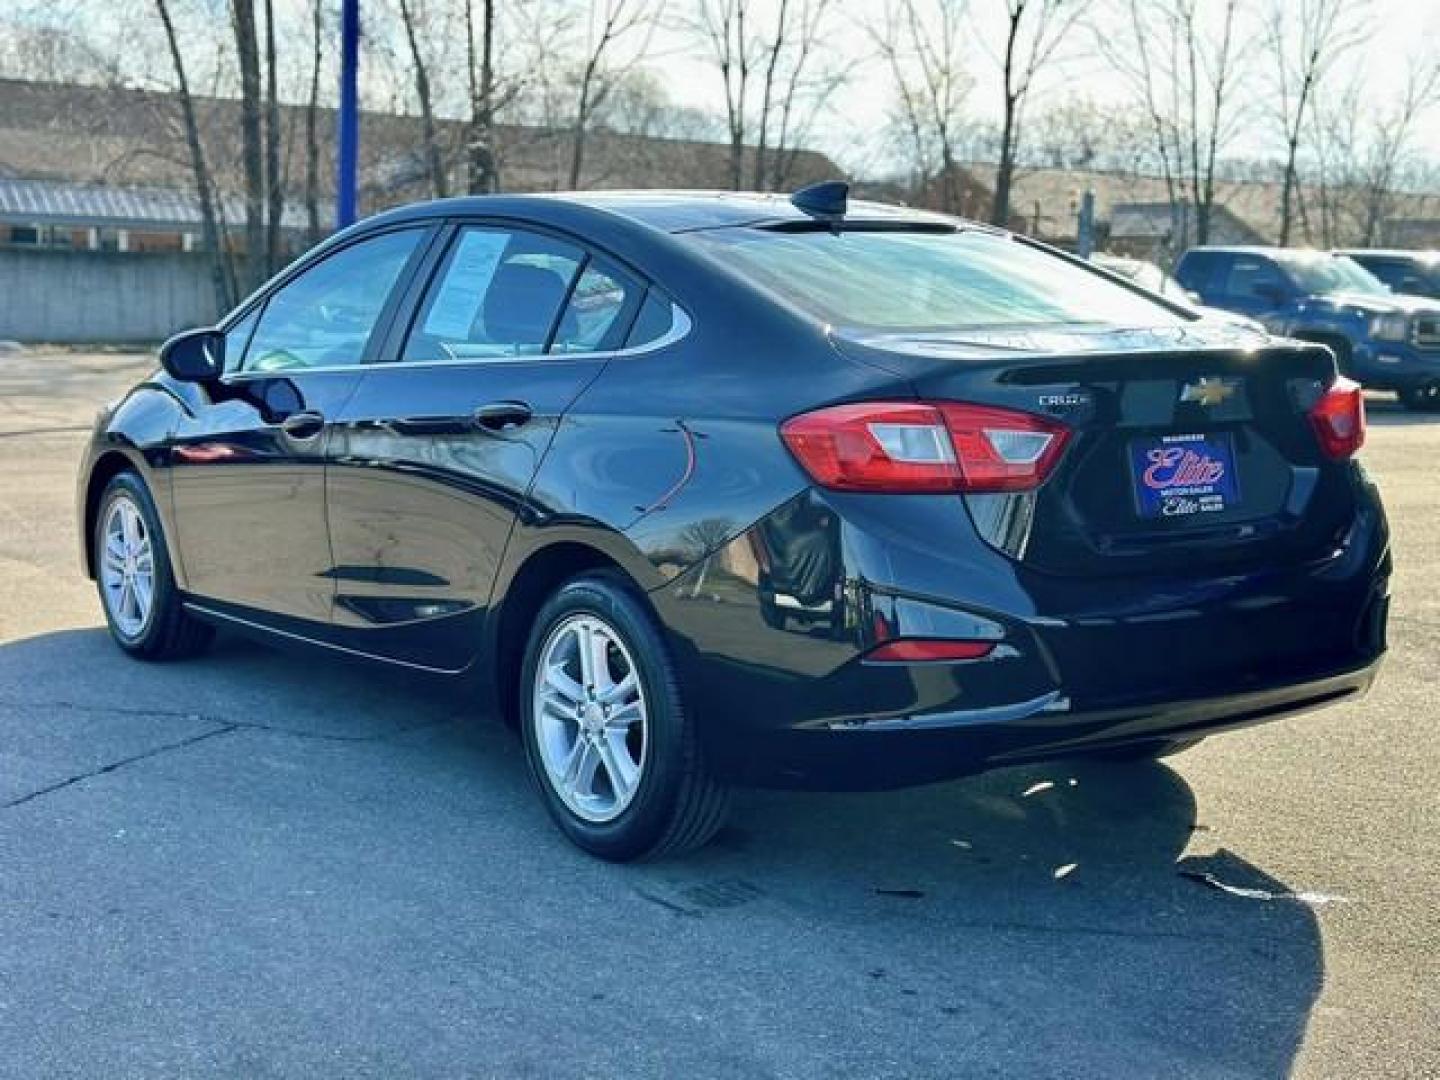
{"type": "Point", "coordinates": [1386, 340]}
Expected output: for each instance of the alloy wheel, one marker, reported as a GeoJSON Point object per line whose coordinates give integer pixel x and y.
{"type": "Point", "coordinates": [589, 715]}
{"type": "Point", "coordinates": [127, 567]}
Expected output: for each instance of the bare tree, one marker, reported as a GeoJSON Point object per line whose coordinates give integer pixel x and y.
{"type": "Point", "coordinates": [1034, 29]}
{"type": "Point", "coordinates": [921, 43]}
{"type": "Point", "coordinates": [1361, 150]}
{"type": "Point", "coordinates": [1079, 133]}
{"type": "Point", "coordinates": [274, 179]}
{"type": "Point", "coordinates": [788, 58]}
{"type": "Point", "coordinates": [1305, 39]}
{"type": "Point", "coordinates": [482, 172]}
{"type": "Point", "coordinates": [434, 156]}
{"type": "Point", "coordinates": [1218, 63]}
{"type": "Point", "coordinates": [722, 26]}
{"type": "Point", "coordinates": [620, 19]}
{"type": "Point", "coordinates": [312, 120]}
{"type": "Point", "coordinates": [1184, 66]}
{"type": "Point", "coordinates": [204, 192]}
{"type": "Point", "coordinates": [242, 17]}
{"type": "Point", "coordinates": [1390, 143]}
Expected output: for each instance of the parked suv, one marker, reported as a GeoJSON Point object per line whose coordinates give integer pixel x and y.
{"type": "Point", "coordinates": [1416, 273]}
{"type": "Point", "coordinates": [1386, 340]}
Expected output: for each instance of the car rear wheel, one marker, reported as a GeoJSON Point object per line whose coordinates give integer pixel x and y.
{"type": "Point", "coordinates": [135, 580]}
{"type": "Point", "coordinates": [610, 746]}
{"type": "Point", "coordinates": [1422, 398]}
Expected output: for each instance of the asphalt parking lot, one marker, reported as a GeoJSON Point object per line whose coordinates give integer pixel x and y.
{"type": "Point", "coordinates": [257, 864]}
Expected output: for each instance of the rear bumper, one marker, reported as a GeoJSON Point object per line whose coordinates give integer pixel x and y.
{"type": "Point", "coordinates": [1079, 665]}
{"type": "Point", "coordinates": [902, 751]}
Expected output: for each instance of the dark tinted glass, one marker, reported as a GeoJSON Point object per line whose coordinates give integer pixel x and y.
{"type": "Point", "coordinates": [598, 312]}
{"type": "Point", "coordinates": [497, 296]}
{"type": "Point", "coordinates": [1197, 270]}
{"type": "Point", "coordinates": [1253, 277]}
{"type": "Point", "coordinates": [325, 316]}
{"type": "Point", "coordinates": [238, 337]}
{"type": "Point", "coordinates": [657, 316]}
{"type": "Point", "coordinates": [920, 280]}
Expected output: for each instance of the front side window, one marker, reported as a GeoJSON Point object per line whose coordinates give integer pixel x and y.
{"type": "Point", "coordinates": [928, 281]}
{"type": "Point", "coordinates": [498, 295]}
{"type": "Point", "coordinates": [237, 338]}
{"type": "Point", "coordinates": [324, 317]}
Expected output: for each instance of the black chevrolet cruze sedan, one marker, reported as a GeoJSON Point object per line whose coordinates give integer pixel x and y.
{"type": "Point", "coordinates": [706, 490]}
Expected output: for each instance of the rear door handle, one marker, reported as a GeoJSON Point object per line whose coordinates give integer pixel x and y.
{"type": "Point", "coordinates": [499, 415]}
{"type": "Point", "coordinates": [303, 425]}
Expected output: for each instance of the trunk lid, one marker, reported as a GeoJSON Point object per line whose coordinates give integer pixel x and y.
{"type": "Point", "coordinates": [1191, 447]}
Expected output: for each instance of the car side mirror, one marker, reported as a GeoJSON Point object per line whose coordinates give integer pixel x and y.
{"type": "Point", "coordinates": [195, 355]}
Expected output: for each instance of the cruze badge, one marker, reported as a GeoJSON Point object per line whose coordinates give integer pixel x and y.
{"type": "Point", "coordinates": [1208, 391]}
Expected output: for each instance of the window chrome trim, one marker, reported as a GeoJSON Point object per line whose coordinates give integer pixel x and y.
{"type": "Point", "coordinates": [680, 327]}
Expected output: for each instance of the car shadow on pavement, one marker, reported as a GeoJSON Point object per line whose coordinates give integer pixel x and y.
{"type": "Point", "coordinates": [369, 877]}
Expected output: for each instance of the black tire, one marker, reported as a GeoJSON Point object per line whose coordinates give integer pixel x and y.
{"type": "Point", "coordinates": [677, 806]}
{"type": "Point", "coordinates": [1152, 750]}
{"type": "Point", "coordinates": [170, 632]}
{"type": "Point", "coordinates": [1422, 398]}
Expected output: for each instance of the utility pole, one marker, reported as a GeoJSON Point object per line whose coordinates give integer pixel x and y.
{"type": "Point", "coordinates": [349, 140]}
{"type": "Point", "coordinates": [1085, 232]}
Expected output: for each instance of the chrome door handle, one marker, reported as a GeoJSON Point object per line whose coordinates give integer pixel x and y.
{"type": "Point", "coordinates": [303, 425]}
{"type": "Point", "coordinates": [499, 415]}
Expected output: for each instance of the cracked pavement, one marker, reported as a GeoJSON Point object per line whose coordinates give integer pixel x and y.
{"type": "Point", "coordinates": [262, 864]}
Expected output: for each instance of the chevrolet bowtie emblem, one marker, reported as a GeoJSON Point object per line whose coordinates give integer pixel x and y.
{"type": "Point", "coordinates": [1208, 391]}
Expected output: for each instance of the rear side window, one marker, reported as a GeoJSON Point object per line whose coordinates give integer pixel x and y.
{"type": "Point", "coordinates": [656, 319]}
{"type": "Point", "coordinates": [600, 308]}
{"type": "Point", "coordinates": [498, 295]}
{"type": "Point", "coordinates": [928, 281]}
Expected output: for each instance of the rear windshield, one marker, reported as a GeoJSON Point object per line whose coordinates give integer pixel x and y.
{"type": "Point", "coordinates": [924, 281]}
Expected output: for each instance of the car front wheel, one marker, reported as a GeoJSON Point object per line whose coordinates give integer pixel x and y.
{"type": "Point", "coordinates": [133, 575]}
{"type": "Point", "coordinates": [611, 748]}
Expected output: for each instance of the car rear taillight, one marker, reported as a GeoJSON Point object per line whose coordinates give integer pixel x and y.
{"type": "Point", "coordinates": [899, 446]}
{"type": "Point", "coordinates": [1339, 419]}
{"type": "Point", "coordinates": [928, 650]}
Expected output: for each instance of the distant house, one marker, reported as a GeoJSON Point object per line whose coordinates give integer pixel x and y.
{"type": "Point", "coordinates": [1133, 212]}
{"type": "Point", "coordinates": [97, 217]}
{"type": "Point", "coordinates": [107, 167]}
{"type": "Point", "coordinates": [98, 200]}
{"type": "Point", "coordinates": [1154, 230]}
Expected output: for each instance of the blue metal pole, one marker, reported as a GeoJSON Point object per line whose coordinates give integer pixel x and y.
{"type": "Point", "coordinates": [349, 135]}
{"type": "Point", "coordinates": [1085, 231]}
